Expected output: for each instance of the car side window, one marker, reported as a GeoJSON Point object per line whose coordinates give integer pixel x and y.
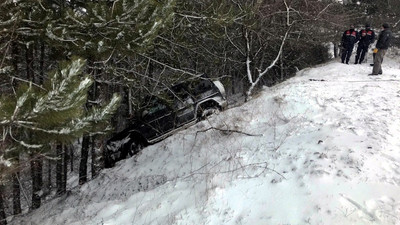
{"type": "Point", "coordinates": [156, 109]}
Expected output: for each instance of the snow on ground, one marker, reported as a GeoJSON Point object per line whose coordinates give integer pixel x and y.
{"type": "Point", "coordinates": [320, 148]}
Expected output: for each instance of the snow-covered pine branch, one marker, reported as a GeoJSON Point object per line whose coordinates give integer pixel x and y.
{"type": "Point", "coordinates": [54, 112]}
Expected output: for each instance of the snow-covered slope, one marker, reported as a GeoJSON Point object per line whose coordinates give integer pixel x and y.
{"type": "Point", "coordinates": [320, 148]}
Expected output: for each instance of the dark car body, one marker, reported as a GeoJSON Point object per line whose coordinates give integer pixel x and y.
{"type": "Point", "coordinates": [164, 114]}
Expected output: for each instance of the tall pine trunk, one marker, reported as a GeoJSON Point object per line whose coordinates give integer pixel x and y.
{"type": "Point", "coordinates": [84, 160]}
{"type": "Point", "coordinates": [16, 193]}
{"type": "Point", "coordinates": [48, 184]}
{"type": "Point", "coordinates": [37, 182]}
{"type": "Point", "coordinates": [71, 158]}
{"type": "Point", "coordinates": [83, 166]}
{"type": "Point", "coordinates": [61, 185]}
{"type": "Point", "coordinates": [41, 63]}
{"type": "Point", "coordinates": [3, 219]}
{"type": "Point", "coordinates": [65, 168]}
{"type": "Point", "coordinates": [94, 164]}
{"type": "Point", "coordinates": [29, 64]}
{"type": "Point", "coordinates": [36, 161]}
{"type": "Point", "coordinates": [15, 176]}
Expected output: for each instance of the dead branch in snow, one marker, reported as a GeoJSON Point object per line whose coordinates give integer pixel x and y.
{"type": "Point", "coordinates": [228, 131]}
{"type": "Point", "coordinates": [243, 167]}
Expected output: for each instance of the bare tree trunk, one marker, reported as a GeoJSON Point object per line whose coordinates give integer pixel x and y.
{"type": "Point", "coordinates": [36, 163]}
{"type": "Point", "coordinates": [335, 50]}
{"type": "Point", "coordinates": [16, 194]}
{"type": "Point", "coordinates": [254, 82]}
{"type": "Point", "coordinates": [94, 156]}
{"type": "Point", "coordinates": [84, 160]}
{"type": "Point", "coordinates": [37, 182]}
{"type": "Point", "coordinates": [15, 176]}
{"type": "Point", "coordinates": [71, 158]}
{"type": "Point", "coordinates": [95, 161]}
{"type": "Point", "coordinates": [49, 183]}
{"type": "Point", "coordinates": [42, 54]}
{"type": "Point", "coordinates": [3, 219]}
{"type": "Point", "coordinates": [29, 63]}
{"type": "Point", "coordinates": [65, 169]}
{"type": "Point", "coordinates": [86, 140]}
{"type": "Point", "coordinates": [59, 170]}
{"type": "Point", "coordinates": [281, 67]}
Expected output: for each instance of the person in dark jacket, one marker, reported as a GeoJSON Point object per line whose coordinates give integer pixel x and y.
{"type": "Point", "coordinates": [349, 38]}
{"type": "Point", "coordinates": [383, 43]}
{"type": "Point", "coordinates": [365, 38]}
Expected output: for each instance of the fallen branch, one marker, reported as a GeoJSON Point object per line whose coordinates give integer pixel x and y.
{"type": "Point", "coordinates": [242, 167]}
{"type": "Point", "coordinates": [228, 131]}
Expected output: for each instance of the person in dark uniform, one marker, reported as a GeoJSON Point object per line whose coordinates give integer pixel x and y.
{"type": "Point", "coordinates": [349, 38]}
{"type": "Point", "coordinates": [365, 38]}
{"type": "Point", "coordinates": [383, 43]}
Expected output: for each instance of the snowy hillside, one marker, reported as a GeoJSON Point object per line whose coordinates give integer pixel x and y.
{"type": "Point", "coordinates": [320, 148]}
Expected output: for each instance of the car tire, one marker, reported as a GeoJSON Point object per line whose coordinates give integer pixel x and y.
{"type": "Point", "coordinates": [134, 148]}
{"type": "Point", "coordinates": [207, 111]}
{"type": "Point", "coordinates": [108, 161]}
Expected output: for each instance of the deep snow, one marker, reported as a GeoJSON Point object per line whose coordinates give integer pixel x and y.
{"type": "Point", "coordinates": [320, 148]}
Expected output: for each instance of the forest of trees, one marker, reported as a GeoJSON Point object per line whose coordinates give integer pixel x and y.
{"type": "Point", "coordinates": [72, 72]}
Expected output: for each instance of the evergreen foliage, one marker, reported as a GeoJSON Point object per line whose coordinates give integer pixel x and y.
{"type": "Point", "coordinates": [102, 28]}
{"type": "Point", "coordinates": [37, 116]}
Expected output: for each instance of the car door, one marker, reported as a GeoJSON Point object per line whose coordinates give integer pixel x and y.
{"type": "Point", "coordinates": [185, 111]}
{"type": "Point", "coordinates": [158, 119]}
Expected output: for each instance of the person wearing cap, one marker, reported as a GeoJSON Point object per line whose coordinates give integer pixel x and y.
{"type": "Point", "coordinates": [365, 38]}
{"type": "Point", "coordinates": [383, 43]}
{"type": "Point", "coordinates": [349, 38]}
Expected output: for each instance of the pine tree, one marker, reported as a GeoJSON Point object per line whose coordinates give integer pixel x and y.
{"type": "Point", "coordinates": [108, 31]}
{"type": "Point", "coordinates": [37, 116]}
{"type": "Point", "coordinates": [36, 34]}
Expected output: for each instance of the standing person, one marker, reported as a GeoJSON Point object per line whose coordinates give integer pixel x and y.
{"type": "Point", "coordinates": [383, 43]}
{"type": "Point", "coordinates": [365, 38]}
{"type": "Point", "coordinates": [349, 38]}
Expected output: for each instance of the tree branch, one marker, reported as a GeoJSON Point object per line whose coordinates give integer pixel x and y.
{"type": "Point", "coordinates": [228, 131]}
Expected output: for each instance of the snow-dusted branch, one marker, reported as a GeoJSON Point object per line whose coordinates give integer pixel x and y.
{"type": "Point", "coordinates": [168, 66]}
{"type": "Point", "coordinates": [288, 9]}
{"type": "Point", "coordinates": [288, 23]}
{"type": "Point", "coordinates": [62, 98]}
{"type": "Point", "coordinates": [230, 40]}
{"type": "Point", "coordinates": [261, 74]}
{"type": "Point", "coordinates": [397, 23]}
{"type": "Point", "coordinates": [26, 81]}
{"type": "Point", "coordinates": [323, 10]}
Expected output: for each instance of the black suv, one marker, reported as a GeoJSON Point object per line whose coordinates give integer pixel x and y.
{"type": "Point", "coordinates": [165, 113]}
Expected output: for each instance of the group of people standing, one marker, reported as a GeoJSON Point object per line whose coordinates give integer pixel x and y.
{"type": "Point", "coordinates": [365, 38]}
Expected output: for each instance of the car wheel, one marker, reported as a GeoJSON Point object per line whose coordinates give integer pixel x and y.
{"type": "Point", "coordinates": [204, 113]}
{"type": "Point", "coordinates": [136, 147]}
{"type": "Point", "coordinates": [108, 161]}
